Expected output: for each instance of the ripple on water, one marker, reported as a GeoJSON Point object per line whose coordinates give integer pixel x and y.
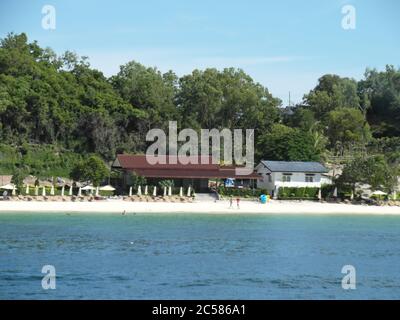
{"type": "Point", "coordinates": [191, 256]}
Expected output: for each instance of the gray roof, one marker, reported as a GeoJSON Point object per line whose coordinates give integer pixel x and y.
{"type": "Point", "coordinates": [294, 166]}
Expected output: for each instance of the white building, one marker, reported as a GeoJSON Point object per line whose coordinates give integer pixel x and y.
{"type": "Point", "coordinates": [276, 174]}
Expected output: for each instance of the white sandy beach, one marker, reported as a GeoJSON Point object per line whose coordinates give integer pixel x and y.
{"type": "Point", "coordinates": [220, 207]}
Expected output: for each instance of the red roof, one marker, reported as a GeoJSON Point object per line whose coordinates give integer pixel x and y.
{"type": "Point", "coordinates": [204, 168]}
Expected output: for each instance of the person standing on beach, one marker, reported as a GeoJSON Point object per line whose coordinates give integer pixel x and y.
{"type": "Point", "coordinates": [230, 202]}
{"type": "Point", "coordinates": [238, 202]}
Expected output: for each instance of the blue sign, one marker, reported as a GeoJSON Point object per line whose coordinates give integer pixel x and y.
{"type": "Point", "coordinates": [229, 182]}
{"type": "Point", "coordinates": [263, 198]}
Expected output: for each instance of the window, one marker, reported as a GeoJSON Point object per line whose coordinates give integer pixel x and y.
{"type": "Point", "coordinates": [309, 178]}
{"type": "Point", "coordinates": [286, 177]}
{"type": "Point", "coordinates": [268, 177]}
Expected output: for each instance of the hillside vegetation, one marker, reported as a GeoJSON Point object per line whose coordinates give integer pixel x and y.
{"type": "Point", "coordinates": [56, 111]}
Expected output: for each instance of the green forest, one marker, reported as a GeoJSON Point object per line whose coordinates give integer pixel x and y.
{"type": "Point", "coordinates": [56, 112]}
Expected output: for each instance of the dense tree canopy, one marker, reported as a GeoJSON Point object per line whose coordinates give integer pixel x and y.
{"type": "Point", "coordinates": [226, 99]}
{"type": "Point", "coordinates": [91, 169]}
{"type": "Point", "coordinates": [347, 126]}
{"type": "Point", "coordinates": [373, 170]}
{"type": "Point", "coordinates": [60, 100]}
{"type": "Point", "coordinates": [150, 91]}
{"type": "Point", "coordinates": [332, 92]}
{"type": "Point", "coordinates": [56, 111]}
{"type": "Point", "coordinates": [288, 144]}
{"type": "Point", "coordinates": [381, 91]}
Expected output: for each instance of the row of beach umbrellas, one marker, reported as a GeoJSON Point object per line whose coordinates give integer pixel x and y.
{"type": "Point", "coordinates": [52, 192]}
{"type": "Point", "coordinates": [10, 187]}
{"type": "Point", "coordinates": [166, 191]}
{"type": "Point", "coordinates": [375, 193]}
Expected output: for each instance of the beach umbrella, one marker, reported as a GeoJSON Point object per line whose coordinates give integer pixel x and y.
{"type": "Point", "coordinates": [44, 191]}
{"type": "Point", "coordinates": [97, 191]}
{"type": "Point", "coordinates": [52, 190]}
{"type": "Point", "coordinates": [169, 191]}
{"type": "Point", "coordinates": [319, 194]}
{"type": "Point", "coordinates": [87, 188]}
{"type": "Point", "coordinates": [107, 188]}
{"type": "Point", "coordinates": [62, 191]}
{"type": "Point", "coordinates": [146, 190]}
{"type": "Point", "coordinates": [36, 190]}
{"type": "Point", "coordinates": [165, 191]}
{"type": "Point", "coordinates": [181, 192]}
{"type": "Point", "coordinates": [188, 192]}
{"type": "Point", "coordinates": [70, 190]}
{"type": "Point", "coordinates": [335, 193]}
{"type": "Point", "coordinates": [8, 186]}
{"type": "Point", "coordinates": [130, 191]}
{"type": "Point", "coordinates": [27, 189]}
{"type": "Point", "coordinates": [139, 191]}
{"type": "Point", "coordinates": [379, 193]}
{"type": "Point", "coordinates": [155, 191]}
{"type": "Point", "coordinates": [80, 192]}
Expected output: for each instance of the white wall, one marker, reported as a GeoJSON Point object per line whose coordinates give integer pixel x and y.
{"type": "Point", "coordinates": [326, 180]}
{"type": "Point", "coordinates": [298, 179]}
{"type": "Point", "coordinates": [263, 182]}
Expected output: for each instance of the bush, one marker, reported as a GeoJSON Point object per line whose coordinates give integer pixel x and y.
{"type": "Point", "coordinates": [39, 160]}
{"type": "Point", "coordinates": [304, 193]}
{"type": "Point", "coordinates": [134, 180]}
{"type": "Point", "coordinates": [241, 192]}
{"type": "Point", "coordinates": [379, 197]}
{"type": "Point", "coordinates": [92, 169]}
{"type": "Point", "coordinates": [327, 190]}
{"type": "Point", "coordinates": [166, 183]}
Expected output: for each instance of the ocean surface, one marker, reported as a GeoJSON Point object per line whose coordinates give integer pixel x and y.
{"type": "Point", "coordinates": [193, 256]}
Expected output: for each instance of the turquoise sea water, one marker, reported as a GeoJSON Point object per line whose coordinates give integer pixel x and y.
{"type": "Point", "coordinates": [192, 256]}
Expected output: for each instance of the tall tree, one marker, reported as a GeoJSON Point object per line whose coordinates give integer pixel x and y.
{"type": "Point", "coordinates": [91, 169]}
{"type": "Point", "coordinates": [287, 144]}
{"type": "Point", "coordinates": [373, 170]}
{"type": "Point", "coordinates": [332, 92]}
{"type": "Point", "coordinates": [381, 92]}
{"type": "Point", "coordinates": [226, 99]}
{"type": "Point", "coordinates": [347, 127]}
{"type": "Point", "coordinates": [149, 90]}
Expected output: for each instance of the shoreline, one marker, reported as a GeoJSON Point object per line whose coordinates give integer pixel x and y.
{"type": "Point", "coordinates": [219, 207]}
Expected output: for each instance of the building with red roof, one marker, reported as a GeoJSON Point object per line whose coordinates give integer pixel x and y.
{"type": "Point", "coordinates": [196, 171]}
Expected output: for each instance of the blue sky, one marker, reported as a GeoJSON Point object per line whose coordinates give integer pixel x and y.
{"type": "Point", "coordinates": [286, 45]}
